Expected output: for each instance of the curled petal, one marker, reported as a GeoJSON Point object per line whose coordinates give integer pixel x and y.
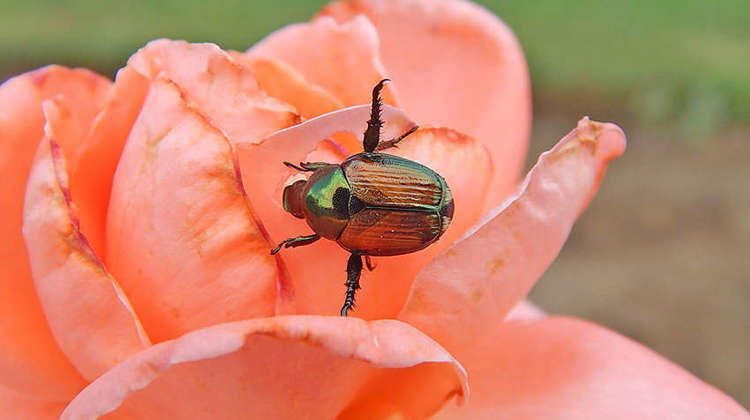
{"type": "Point", "coordinates": [180, 237]}
{"type": "Point", "coordinates": [30, 361]}
{"type": "Point", "coordinates": [329, 150]}
{"type": "Point", "coordinates": [465, 164]}
{"type": "Point", "coordinates": [90, 318]}
{"type": "Point", "coordinates": [283, 367]}
{"type": "Point", "coordinates": [455, 65]}
{"type": "Point", "coordinates": [224, 90]}
{"type": "Point", "coordinates": [500, 260]}
{"type": "Point", "coordinates": [263, 177]}
{"type": "Point", "coordinates": [343, 59]}
{"type": "Point", "coordinates": [283, 82]}
{"type": "Point", "coordinates": [386, 288]}
{"type": "Point", "coordinates": [525, 310]}
{"type": "Point", "coordinates": [92, 172]}
{"type": "Point", "coordinates": [566, 368]}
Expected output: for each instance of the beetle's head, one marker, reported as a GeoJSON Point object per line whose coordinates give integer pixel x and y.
{"type": "Point", "coordinates": [293, 198]}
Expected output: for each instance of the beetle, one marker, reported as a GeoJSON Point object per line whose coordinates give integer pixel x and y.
{"type": "Point", "coordinates": [372, 204]}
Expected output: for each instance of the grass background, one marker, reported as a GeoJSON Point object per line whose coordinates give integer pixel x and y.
{"type": "Point", "coordinates": [662, 254]}
{"type": "Point", "coordinates": [682, 62]}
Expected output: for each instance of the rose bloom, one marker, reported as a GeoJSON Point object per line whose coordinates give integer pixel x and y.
{"type": "Point", "coordinates": [138, 217]}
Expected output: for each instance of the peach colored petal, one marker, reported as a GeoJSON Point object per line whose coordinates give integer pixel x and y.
{"type": "Point", "coordinates": [386, 288]}
{"type": "Point", "coordinates": [455, 65]}
{"type": "Point", "coordinates": [465, 164]}
{"type": "Point", "coordinates": [525, 310]}
{"type": "Point", "coordinates": [482, 277]}
{"type": "Point", "coordinates": [565, 368]}
{"type": "Point", "coordinates": [180, 237]}
{"type": "Point", "coordinates": [283, 82]}
{"type": "Point", "coordinates": [308, 286]}
{"type": "Point", "coordinates": [343, 59]}
{"type": "Point", "coordinates": [30, 361]}
{"type": "Point", "coordinates": [382, 397]}
{"type": "Point", "coordinates": [328, 150]}
{"type": "Point", "coordinates": [90, 318]}
{"type": "Point", "coordinates": [283, 367]}
{"type": "Point", "coordinates": [14, 405]}
{"type": "Point", "coordinates": [92, 173]}
{"type": "Point", "coordinates": [224, 90]}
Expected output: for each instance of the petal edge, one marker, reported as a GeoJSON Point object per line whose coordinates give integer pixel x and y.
{"type": "Point", "coordinates": [502, 256]}
{"type": "Point", "coordinates": [322, 357]}
{"type": "Point", "coordinates": [567, 368]}
{"type": "Point", "coordinates": [89, 315]}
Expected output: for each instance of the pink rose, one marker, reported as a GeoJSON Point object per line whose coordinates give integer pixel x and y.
{"type": "Point", "coordinates": [138, 216]}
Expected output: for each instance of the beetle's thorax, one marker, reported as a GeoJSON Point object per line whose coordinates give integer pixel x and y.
{"type": "Point", "coordinates": [326, 200]}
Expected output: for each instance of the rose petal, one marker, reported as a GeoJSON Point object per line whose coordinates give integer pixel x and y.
{"type": "Point", "coordinates": [328, 150]}
{"type": "Point", "coordinates": [302, 289]}
{"type": "Point", "coordinates": [30, 361]}
{"type": "Point", "coordinates": [20, 406]}
{"type": "Point", "coordinates": [455, 65]}
{"type": "Point", "coordinates": [225, 91]}
{"type": "Point", "coordinates": [500, 261]}
{"type": "Point", "coordinates": [90, 318]}
{"type": "Point", "coordinates": [386, 287]}
{"type": "Point", "coordinates": [283, 82]}
{"type": "Point", "coordinates": [566, 368]}
{"type": "Point", "coordinates": [384, 397]}
{"type": "Point", "coordinates": [284, 367]}
{"type": "Point", "coordinates": [92, 173]}
{"type": "Point", "coordinates": [343, 59]}
{"type": "Point", "coordinates": [525, 310]}
{"type": "Point", "coordinates": [180, 237]}
{"type": "Point", "coordinates": [465, 164]}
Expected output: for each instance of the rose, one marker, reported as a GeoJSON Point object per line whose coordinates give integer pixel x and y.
{"type": "Point", "coordinates": [143, 243]}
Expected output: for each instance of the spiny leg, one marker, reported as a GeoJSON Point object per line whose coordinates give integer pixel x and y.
{"type": "Point", "coordinates": [295, 242]}
{"type": "Point", "coordinates": [307, 166]}
{"type": "Point", "coordinates": [392, 143]}
{"type": "Point", "coordinates": [353, 272]}
{"type": "Point", "coordinates": [372, 134]}
{"type": "Point", "coordinates": [368, 263]}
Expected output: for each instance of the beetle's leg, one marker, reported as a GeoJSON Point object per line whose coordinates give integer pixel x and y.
{"type": "Point", "coordinates": [353, 272]}
{"type": "Point", "coordinates": [372, 134]}
{"type": "Point", "coordinates": [295, 242]}
{"type": "Point", "coordinates": [392, 143]}
{"type": "Point", "coordinates": [307, 166]}
{"type": "Point", "coordinates": [313, 166]}
{"type": "Point", "coordinates": [369, 263]}
{"type": "Point", "coordinates": [293, 166]}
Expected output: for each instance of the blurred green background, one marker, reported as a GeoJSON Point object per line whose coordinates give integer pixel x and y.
{"type": "Point", "coordinates": [663, 253]}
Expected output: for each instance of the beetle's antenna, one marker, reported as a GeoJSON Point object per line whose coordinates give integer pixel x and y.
{"type": "Point", "coordinates": [372, 133]}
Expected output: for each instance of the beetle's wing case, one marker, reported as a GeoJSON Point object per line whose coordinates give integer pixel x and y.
{"type": "Point", "coordinates": [383, 232]}
{"type": "Point", "coordinates": [382, 180]}
{"type": "Point", "coordinates": [397, 206]}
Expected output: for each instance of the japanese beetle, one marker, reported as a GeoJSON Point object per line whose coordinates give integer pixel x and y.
{"type": "Point", "coordinates": [372, 204]}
